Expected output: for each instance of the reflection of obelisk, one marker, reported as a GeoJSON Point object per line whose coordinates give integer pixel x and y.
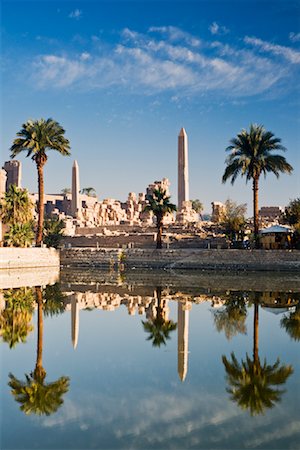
{"type": "Point", "coordinates": [183, 338]}
{"type": "Point", "coordinates": [183, 169]}
{"type": "Point", "coordinates": [74, 320]}
{"type": "Point", "coordinates": [75, 205]}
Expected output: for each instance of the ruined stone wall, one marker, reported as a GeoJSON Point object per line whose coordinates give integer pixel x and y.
{"type": "Point", "coordinates": [17, 258]}
{"type": "Point", "coordinates": [225, 259]}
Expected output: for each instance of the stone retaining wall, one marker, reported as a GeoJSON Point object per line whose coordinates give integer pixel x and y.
{"type": "Point", "coordinates": [19, 258]}
{"type": "Point", "coordinates": [225, 259]}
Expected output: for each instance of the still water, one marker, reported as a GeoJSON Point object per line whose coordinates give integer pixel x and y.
{"type": "Point", "coordinates": [151, 361]}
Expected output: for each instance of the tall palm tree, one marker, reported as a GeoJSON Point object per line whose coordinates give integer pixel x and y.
{"type": "Point", "coordinates": [34, 394]}
{"type": "Point", "coordinates": [16, 208]}
{"type": "Point", "coordinates": [252, 384]}
{"type": "Point", "coordinates": [158, 327]}
{"type": "Point", "coordinates": [36, 138]}
{"type": "Point", "coordinates": [251, 154]}
{"type": "Point", "coordinates": [159, 204]}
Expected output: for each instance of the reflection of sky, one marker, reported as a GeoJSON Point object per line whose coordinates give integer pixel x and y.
{"type": "Point", "coordinates": [126, 394]}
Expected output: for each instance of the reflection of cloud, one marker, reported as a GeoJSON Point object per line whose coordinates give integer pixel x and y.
{"type": "Point", "coordinates": [148, 417]}
{"type": "Point", "coordinates": [284, 431]}
{"type": "Point", "coordinates": [169, 59]}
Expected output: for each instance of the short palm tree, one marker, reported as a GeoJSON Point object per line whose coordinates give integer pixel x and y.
{"type": "Point", "coordinates": [36, 138]}
{"type": "Point", "coordinates": [159, 204]}
{"type": "Point", "coordinates": [252, 154]}
{"type": "Point", "coordinates": [19, 235]}
{"type": "Point", "coordinates": [53, 232]}
{"type": "Point", "coordinates": [34, 394]}
{"type": "Point", "coordinates": [16, 206]}
{"type": "Point", "coordinates": [89, 191]}
{"type": "Point", "coordinates": [252, 384]}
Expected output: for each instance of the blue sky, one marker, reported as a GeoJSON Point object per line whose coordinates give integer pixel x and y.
{"type": "Point", "coordinates": [124, 77]}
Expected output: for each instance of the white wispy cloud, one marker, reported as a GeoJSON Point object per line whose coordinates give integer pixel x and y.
{"type": "Point", "coordinates": [217, 29]}
{"type": "Point", "coordinates": [75, 14]}
{"type": "Point", "coordinates": [293, 56]}
{"type": "Point", "coordinates": [176, 34]}
{"type": "Point", "coordinates": [169, 59]}
{"type": "Point", "coordinates": [294, 37]}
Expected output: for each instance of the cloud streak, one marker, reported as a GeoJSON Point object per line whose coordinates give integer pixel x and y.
{"type": "Point", "coordinates": [168, 59]}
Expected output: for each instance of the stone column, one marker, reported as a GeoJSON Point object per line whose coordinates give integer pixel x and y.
{"type": "Point", "coordinates": [75, 204]}
{"type": "Point", "coordinates": [183, 169]}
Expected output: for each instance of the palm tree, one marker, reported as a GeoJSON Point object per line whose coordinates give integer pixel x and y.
{"type": "Point", "coordinates": [159, 204]}
{"type": "Point", "coordinates": [89, 191]}
{"type": "Point", "coordinates": [251, 155]}
{"type": "Point", "coordinates": [16, 206]}
{"type": "Point", "coordinates": [251, 383]}
{"type": "Point", "coordinates": [36, 138]}
{"type": "Point", "coordinates": [53, 232]}
{"type": "Point", "coordinates": [158, 327]}
{"type": "Point", "coordinates": [19, 235]}
{"type": "Point", "coordinates": [34, 395]}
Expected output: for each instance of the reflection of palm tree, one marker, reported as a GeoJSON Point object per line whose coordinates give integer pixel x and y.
{"type": "Point", "coordinates": [231, 319]}
{"type": "Point", "coordinates": [54, 300]}
{"type": "Point", "coordinates": [291, 323]}
{"type": "Point", "coordinates": [159, 327]}
{"type": "Point", "coordinates": [34, 395]}
{"type": "Point", "coordinates": [15, 319]}
{"type": "Point", "coordinates": [252, 384]}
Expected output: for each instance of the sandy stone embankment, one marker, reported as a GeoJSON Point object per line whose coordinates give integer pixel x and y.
{"type": "Point", "coordinates": [203, 259]}
{"type": "Point", "coordinates": [21, 258]}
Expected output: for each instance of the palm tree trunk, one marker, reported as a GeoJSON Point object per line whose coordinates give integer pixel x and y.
{"type": "Point", "coordinates": [159, 233]}
{"type": "Point", "coordinates": [39, 370]}
{"type": "Point", "coordinates": [39, 233]}
{"type": "Point", "coordinates": [255, 333]}
{"type": "Point", "coordinates": [255, 211]}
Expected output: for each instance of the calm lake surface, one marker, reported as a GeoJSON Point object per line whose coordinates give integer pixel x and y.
{"type": "Point", "coordinates": [151, 361]}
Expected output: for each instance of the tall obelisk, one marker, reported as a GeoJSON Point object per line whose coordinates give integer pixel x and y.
{"type": "Point", "coordinates": [183, 169]}
{"type": "Point", "coordinates": [75, 204]}
{"type": "Point", "coordinates": [183, 313]}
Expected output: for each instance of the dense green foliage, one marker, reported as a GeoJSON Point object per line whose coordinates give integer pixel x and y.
{"type": "Point", "coordinates": [292, 212]}
{"type": "Point", "coordinates": [197, 206]}
{"type": "Point", "coordinates": [19, 235]}
{"type": "Point", "coordinates": [16, 206]}
{"type": "Point", "coordinates": [233, 220]}
{"type": "Point", "coordinates": [53, 232]}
